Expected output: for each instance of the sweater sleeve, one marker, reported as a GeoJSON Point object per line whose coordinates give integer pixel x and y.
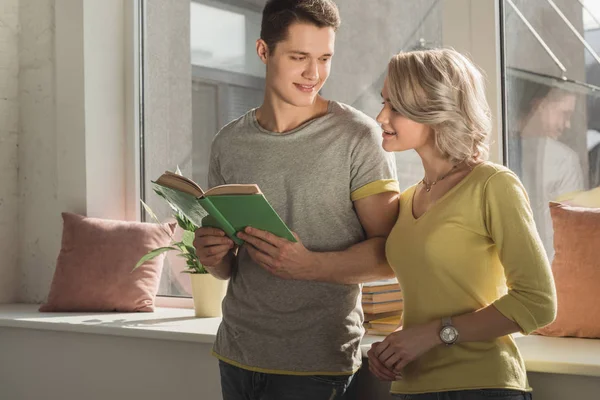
{"type": "Point", "coordinates": [531, 298]}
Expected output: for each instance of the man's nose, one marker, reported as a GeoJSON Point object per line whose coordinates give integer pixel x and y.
{"type": "Point", "coordinates": [312, 71]}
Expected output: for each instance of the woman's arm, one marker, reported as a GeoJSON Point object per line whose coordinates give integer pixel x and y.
{"type": "Point", "coordinates": [389, 357]}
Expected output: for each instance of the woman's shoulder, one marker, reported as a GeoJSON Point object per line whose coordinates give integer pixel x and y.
{"type": "Point", "coordinates": [487, 172]}
{"type": "Point", "coordinates": [499, 182]}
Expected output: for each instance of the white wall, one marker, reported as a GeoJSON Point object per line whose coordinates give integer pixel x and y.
{"type": "Point", "coordinates": [9, 131]}
{"type": "Point", "coordinates": [73, 366]}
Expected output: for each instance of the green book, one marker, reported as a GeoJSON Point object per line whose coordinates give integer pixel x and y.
{"type": "Point", "coordinates": [228, 207]}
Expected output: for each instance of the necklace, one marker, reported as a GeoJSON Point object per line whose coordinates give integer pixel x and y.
{"type": "Point", "coordinates": [428, 186]}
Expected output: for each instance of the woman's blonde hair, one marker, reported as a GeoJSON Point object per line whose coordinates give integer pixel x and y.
{"type": "Point", "coordinates": [443, 89]}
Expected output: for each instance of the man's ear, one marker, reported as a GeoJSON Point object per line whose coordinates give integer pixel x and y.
{"type": "Point", "coordinates": [262, 50]}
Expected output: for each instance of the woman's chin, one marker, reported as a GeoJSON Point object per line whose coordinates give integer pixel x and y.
{"type": "Point", "coordinates": [391, 146]}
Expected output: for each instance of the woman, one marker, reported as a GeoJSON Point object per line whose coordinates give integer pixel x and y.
{"type": "Point", "coordinates": [465, 247]}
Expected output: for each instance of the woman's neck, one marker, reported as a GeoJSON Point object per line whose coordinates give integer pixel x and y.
{"type": "Point", "coordinates": [434, 163]}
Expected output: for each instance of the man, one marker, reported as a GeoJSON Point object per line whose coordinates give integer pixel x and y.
{"type": "Point", "coordinates": [292, 320]}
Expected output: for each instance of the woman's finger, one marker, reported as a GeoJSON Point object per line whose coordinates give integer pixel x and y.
{"type": "Point", "coordinates": [392, 361]}
{"type": "Point", "coordinates": [380, 368]}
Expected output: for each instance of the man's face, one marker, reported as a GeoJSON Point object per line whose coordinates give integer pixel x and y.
{"type": "Point", "coordinates": [299, 66]}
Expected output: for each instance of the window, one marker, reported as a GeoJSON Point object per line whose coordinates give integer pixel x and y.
{"type": "Point", "coordinates": [552, 78]}
{"type": "Point", "coordinates": [227, 80]}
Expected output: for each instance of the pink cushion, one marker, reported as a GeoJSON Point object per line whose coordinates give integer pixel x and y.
{"type": "Point", "coordinates": [576, 269]}
{"type": "Point", "coordinates": [93, 270]}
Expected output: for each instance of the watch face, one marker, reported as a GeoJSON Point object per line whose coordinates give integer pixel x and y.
{"type": "Point", "coordinates": [448, 334]}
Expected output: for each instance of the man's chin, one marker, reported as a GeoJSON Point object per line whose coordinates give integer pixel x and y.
{"type": "Point", "coordinates": [303, 101]}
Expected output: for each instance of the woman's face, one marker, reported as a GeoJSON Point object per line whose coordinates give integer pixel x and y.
{"type": "Point", "coordinates": [551, 116]}
{"type": "Point", "coordinates": [399, 132]}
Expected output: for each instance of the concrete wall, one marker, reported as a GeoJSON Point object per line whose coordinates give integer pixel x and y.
{"type": "Point", "coordinates": [9, 135]}
{"type": "Point", "coordinates": [29, 225]}
{"type": "Point", "coordinates": [40, 225]}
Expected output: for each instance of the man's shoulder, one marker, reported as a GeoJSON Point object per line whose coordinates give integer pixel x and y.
{"type": "Point", "coordinates": [350, 115]}
{"type": "Point", "coordinates": [234, 128]}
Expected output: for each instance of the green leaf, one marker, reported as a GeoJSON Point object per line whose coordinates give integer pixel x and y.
{"type": "Point", "coordinates": [152, 254]}
{"type": "Point", "coordinates": [150, 212]}
{"type": "Point", "coordinates": [155, 218]}
{"type": "Point", "coordinates": [185, 223]}
{"type": "Point", "coordinates": [191, 250]}
{"type": "Point", "coordinates": [180, 246]}
{"type": "Point", "coordinates": [188, 238]}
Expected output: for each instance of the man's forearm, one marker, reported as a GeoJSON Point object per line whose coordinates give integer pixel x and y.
{"type": "Point", "coordinates": [363, 262]}
{"type": "Point", "coordinates": [223, 270]}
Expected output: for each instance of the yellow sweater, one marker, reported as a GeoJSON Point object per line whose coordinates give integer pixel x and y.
{"type": "Point", "coordinates": [475, 246]}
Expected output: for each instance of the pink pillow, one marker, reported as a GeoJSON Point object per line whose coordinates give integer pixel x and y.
{"type": "Point", "coordinates": [576, 269]}
{"type": "Point", "coordinates": [93, 270]}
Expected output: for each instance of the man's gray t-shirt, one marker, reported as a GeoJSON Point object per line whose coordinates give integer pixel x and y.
{"type": "Point", "coordinates": [310, 176]}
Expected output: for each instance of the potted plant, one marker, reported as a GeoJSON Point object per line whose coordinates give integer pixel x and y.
{"type": "Point", "coordinates": [207, 291]}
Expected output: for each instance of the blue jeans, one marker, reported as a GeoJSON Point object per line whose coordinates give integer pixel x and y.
{"type": "Point", "coordinates": [475, 394]}
{"type": "Point", "coordinates": [241, 384]}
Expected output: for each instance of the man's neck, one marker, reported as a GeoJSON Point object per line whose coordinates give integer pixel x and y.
{"type": "Point", "coordinates": [278, 116]}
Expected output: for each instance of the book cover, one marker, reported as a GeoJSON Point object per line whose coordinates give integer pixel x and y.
{"type": "Point", "coordinates": [375, 308]}
{"type": "Point", "coordinates": [373, 316]}
{"type": "Point", "coordinates": [380, 297]}
{"type": "Point", "coordinates": [228, 207]}
{"type": "Point", "coordinates": [380, 288]}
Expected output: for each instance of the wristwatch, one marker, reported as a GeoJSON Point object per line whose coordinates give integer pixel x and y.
{"type": "Point", "coordinates": [448, 333]}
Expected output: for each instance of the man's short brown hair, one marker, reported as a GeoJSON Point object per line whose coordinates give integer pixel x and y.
{"type": "Point", "coordinates": [278, 15]}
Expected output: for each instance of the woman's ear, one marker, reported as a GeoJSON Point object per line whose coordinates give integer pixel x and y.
{"type": "Point", "coordinates": [262, 50]}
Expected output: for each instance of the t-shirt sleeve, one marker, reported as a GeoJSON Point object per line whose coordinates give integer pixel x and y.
{"type": "Point", "coordinates": [531, 298]}
{"type": "Point", "coordinates": [373, 170]}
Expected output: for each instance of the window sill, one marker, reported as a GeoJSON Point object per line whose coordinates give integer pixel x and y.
{"type": "Point", "coordinates": [165, 323]}
{"type": "Point", "coordinates": [570, 356]}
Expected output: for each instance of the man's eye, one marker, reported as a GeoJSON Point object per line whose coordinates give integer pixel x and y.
{"type": "Point", "coordinates": [298, 58]}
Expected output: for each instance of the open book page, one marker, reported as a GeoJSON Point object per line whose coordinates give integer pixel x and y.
{"type": "Point", "coordinates": [183, 184]}
{"type": "Point", "coordinates": [233, 189]}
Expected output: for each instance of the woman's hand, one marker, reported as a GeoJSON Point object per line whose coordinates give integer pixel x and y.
{"type": "Point", "coordinates": [406, 345]}
{"type": "Point", "coordinates": [377, 368]}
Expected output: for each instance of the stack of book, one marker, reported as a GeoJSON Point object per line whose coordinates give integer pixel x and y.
{"type": "Point", "coordinates": [381, 299]}
{"type": "Point", "coordinates": [383, 326]}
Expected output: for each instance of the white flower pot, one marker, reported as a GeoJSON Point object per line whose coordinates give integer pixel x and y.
{"type": "Point", "coordinates": [208, 293]}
